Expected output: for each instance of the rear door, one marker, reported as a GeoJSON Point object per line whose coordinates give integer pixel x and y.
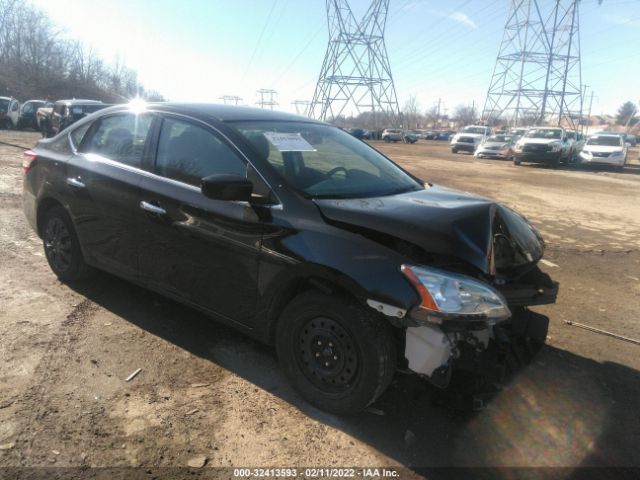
{"type": "Point", "coordinates": [102, 182]}
{"type": "Point", "coordinates": [201, 250]}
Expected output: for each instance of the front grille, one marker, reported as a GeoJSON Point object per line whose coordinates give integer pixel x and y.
{"type": "Point", "coordinates": [600, 154]}
{"type": "Point", "coordinates": [535, 147]}
{"type": "Point", "coordinates": [465, 139]}
{"type": "Point", "coordinates": [492, 148]}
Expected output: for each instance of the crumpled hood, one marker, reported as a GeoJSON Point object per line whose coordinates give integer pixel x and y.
{"type": "Point", "coordinates": [444, 221]}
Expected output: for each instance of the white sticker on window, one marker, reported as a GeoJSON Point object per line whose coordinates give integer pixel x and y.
{"type": "Point", "coordinates": [289, 142]}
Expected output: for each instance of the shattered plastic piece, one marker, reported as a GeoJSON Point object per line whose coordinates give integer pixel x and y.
{"type": "Point", "coordinates": [132, 376]}
{"type": "Point", "coordinates": [7, 446]}
{"type": "Point", "coordinates": [199, 385]}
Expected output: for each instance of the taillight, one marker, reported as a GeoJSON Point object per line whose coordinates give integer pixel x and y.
{"type": "Point", "coordinates": [29, 157]}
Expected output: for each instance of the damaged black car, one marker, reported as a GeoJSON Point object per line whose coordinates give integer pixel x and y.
{"type": "Point", "coordinates": [300, 235]}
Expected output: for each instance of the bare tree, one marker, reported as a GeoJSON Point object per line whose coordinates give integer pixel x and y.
{"type": "Point", "coordinates": [410, 112]}
{"type": "Point", "coordinates": [37, 60]}
{"type": "Point", "coordinates": [464, 115]}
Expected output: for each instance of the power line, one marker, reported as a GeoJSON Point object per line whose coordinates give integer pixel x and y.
{"type": "Point", "coordinates": [257, 46]}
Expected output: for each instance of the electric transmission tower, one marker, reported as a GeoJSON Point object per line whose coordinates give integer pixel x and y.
{"type": "Point", "coordinates": [302, 107]}
{"type": "Point", "coordinates": [231, 99]}
{"type": "Point", "coordinates": [356, 71]}
{"type": "Point", "coordinates": [537, 77]}
{"type": "Point", "coordinates": [267, 98]}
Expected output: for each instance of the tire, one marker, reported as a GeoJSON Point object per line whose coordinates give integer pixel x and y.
{"type": "Point", "coordinates": [61, 246]}
{"type": "Point", "coordinates": [387, 140]}
{"type": "Point", "coordinates": [316, 337]}
{"type": "Point", "coordinates": [454, 150]}
{"type": "Point", "coordinates": [516, 161]}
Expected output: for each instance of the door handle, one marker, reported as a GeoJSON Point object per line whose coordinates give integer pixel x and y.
{"type": "Point", "coordinates": [74, 182]}
{"type": "Point", "coordinates": [149, 207]}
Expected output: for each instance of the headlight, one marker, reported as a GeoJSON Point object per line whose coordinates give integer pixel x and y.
{"type": "Point", "coordinates": [618, 153]}
{"type": "Point", "coordinates": [556, 147]}
{"type": "Point", "coordinates": [448, 295]}
{"type": "Point", "coordinates": [518, 147]}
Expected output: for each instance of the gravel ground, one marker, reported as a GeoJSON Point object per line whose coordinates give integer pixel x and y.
{"type": "Point", "coordinates": [205, 390]}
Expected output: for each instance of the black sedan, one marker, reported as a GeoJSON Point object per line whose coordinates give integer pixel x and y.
{"type": "Point", "coordinates": [298, 234]}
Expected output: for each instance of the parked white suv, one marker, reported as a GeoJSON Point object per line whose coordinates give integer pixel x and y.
{"type": "Point", "coordinates": [392, 135]}
{"type": "Point", "coordinates": [605, 150]}
{"type": "Point", "coordinates": [9, 112]}
{"type": "Point", "coordinates": [469, 138]}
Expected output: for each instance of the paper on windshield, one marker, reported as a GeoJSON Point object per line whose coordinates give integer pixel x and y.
{"type": "Point", "coordinates": [289, 142]}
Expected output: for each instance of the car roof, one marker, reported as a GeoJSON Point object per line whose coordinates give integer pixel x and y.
{"type": "Point", "coordinates": [605, 132]}
{"type": "Point", "coordinates": [79, 101]}
{"type": "Point", "coordinates": [228, 113]}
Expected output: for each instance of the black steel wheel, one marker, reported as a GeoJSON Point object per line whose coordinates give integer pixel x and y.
{"type": "Point", "coordinates": [57, 245]}
{"type": "Point", "coordinates": [327, 355]}
{"type": "Point", "coordinates": [338, 355]}
{"type": "Point", "coordinates": [61, 246]}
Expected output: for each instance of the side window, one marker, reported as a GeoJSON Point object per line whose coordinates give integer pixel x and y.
{"type": "Point", "coordinates": [188, 153]}
{"type": "Point", "coordinates": [78, 134]}
{"type": "Point", "coordinates": [120, 138]}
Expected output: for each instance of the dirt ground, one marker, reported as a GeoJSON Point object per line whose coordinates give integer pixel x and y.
{"type": "Point", "coordinates": [206, 390]}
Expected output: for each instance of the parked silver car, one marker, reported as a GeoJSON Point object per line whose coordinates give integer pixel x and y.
{"type": "Point", "coordinates": [497, 146]}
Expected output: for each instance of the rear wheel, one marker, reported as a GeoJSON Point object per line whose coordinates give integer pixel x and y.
{"type": "Point", "coordinates": [61, 246]}
{"type": "Point", "coordinates": [516, 161]}
{"type": "Point", "coordinates": [454, 150]}
{"type": "Point", "coordinates": [338, 355]}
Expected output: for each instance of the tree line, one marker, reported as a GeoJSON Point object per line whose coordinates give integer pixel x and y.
{"type": "Point", "coordinates": [38, 60]}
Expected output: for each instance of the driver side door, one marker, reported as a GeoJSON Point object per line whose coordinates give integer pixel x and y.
{"type": "Point", "coordinates": [199, 250]}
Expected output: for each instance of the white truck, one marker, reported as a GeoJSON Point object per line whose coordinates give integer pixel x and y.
{"type": "Point", "coordinates": [468, 139]}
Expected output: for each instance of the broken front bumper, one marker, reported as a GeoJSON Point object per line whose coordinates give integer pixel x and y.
{"type": "Point", "coordinates": [435, 352]}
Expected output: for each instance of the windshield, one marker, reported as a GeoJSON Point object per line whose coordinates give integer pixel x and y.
{"type": "Point", "coordinates": [499, 138]}
{"type": "Point", "coordinates": [551, 133]}
{"type": "Point", "coordinates": [609, 141]}
{"type": "Point", "coordinates": [479, 130]}
{"type": "Point", "coordinates": [325, 162]}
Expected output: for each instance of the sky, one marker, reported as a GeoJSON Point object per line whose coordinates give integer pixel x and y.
{"type": "Point", "coordinates": [200, 50]}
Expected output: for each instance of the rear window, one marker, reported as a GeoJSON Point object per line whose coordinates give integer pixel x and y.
{"type": "Point", "coordinates": [120, 138]}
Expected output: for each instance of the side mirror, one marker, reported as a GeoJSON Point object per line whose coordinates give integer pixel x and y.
{"type": "Point", "coordinates": [226, 187]}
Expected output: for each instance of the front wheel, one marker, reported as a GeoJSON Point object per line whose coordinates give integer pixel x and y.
{"type": "Point", "coordinates": [516, 161]}
{"type": "Point", "coordinates": [454, 150]}
{"type": "Point", "coordinates": [338, 355]}
{"type": "Point", "coordinates": [61, 246]}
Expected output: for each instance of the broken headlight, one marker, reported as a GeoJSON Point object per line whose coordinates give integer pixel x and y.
{"type": "Point", "coordinates": [453, 296]}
